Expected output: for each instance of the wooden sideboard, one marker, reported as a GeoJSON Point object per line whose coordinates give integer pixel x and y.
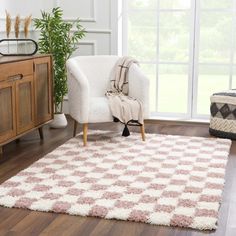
{"type": "Point", "coordinates": [26, 101]}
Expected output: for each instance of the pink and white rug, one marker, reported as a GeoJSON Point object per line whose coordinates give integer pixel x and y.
{"type": "Point", "coordinates": [167, 180]}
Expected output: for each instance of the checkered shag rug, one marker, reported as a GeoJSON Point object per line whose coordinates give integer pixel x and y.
{"type": "Point", "coordinates": [167, 180]}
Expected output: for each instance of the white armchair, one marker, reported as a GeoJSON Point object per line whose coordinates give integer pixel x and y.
{"type": "Point", "coordinates": [88, 81]}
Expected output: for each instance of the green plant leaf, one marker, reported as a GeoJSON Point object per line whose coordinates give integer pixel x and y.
{"type": "Point", "coordinates": [57, 38]}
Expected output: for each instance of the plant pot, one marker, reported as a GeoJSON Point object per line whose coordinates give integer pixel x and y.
{"type": "Point", "coordinates": [59, 121]}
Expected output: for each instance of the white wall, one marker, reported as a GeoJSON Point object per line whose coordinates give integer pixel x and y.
{"type": "Point", "coordinates": [99, 18]}
{"type": "Point", "coordinates": [100, 23]}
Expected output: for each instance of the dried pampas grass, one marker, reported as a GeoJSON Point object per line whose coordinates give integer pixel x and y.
{"type": "Point", "coordinates": [8, 24]}
{"type": "Point", "coordinates": [26, 25]}
{"type": "Point", "coordinates": [17, 26]}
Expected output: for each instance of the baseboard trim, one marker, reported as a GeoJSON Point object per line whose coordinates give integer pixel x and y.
{"type": "Point", "coordinates": [177, 122]}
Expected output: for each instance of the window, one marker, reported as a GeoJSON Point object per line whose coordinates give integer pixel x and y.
{"type": "Point", "coordinates": [186, 48]}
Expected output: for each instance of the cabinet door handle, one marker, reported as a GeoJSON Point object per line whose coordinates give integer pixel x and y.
{"type": "Point", "coordinates": [15, 77]}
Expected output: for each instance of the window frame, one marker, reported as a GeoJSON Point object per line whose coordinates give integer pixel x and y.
{"type": "Point", "coordinates": [193, 57]}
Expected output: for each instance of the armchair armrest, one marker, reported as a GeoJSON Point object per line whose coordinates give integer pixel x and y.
{"type": "Point", "coordinates": [78, 92]}
{"type": "Point", "coordinates": [139, 87]}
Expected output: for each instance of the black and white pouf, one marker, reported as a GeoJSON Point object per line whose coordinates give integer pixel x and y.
{"type": "Point", "coordinates": [223, 114]}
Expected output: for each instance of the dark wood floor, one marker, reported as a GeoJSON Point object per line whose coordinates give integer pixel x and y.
{"type": "Point", "coordinates": [19, 155]}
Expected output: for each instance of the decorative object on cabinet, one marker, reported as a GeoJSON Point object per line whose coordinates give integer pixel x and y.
{"type": "Point", "coordinates": [18, 46]}
{"type": "Point", "coordinates": [17, 26]}
{"type": "Point", "coordinates": [24, 44]}
{"type": "Point", "coordinates": [64, 44]}
{"type": "Point", "coordinates": [27, 22]}
{"type": "Point", "coordinates": [8, 24]}
{"type": "Point", "coordinates": [25, 95]}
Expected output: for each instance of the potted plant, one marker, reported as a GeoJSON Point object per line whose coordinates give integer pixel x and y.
{"type": "Point", "coordinates": [60, 39]}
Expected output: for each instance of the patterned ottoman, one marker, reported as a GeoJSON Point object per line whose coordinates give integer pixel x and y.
{"type": "Point", "coordinates": [223, 114]}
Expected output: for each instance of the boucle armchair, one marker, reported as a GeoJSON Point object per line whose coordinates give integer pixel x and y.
{"type": "Point", "coordinates": [88, 81]}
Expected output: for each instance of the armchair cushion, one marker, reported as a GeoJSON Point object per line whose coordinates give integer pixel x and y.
{"type": "Point", "coordinates": [99, 110]}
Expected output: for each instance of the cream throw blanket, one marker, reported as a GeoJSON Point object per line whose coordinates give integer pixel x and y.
{"type": "Point", "coordinates": [124, 108]}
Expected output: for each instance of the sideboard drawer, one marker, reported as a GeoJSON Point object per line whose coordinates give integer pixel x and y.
{"type": "Point", "coordinates": [17, 68]}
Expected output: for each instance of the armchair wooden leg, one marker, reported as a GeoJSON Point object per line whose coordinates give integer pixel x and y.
{"type": "Point", "coordinates": [75, 128]}
{"type": "Point", "coordinates": [142, 130]}
{"type": "Point", "coordinates": [85, 130]}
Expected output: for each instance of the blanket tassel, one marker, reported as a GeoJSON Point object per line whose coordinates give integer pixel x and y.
{"type": "Point", "coordinates": [115, 119]}
{"type": "Point", "coordinates": [126, 132]}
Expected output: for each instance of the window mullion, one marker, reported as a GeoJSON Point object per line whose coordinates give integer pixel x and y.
{"type": "Point", "coordinates": [195, 58]}
{"type": "Point", "coordinates": [157, 51]}
{"type": "Point", "coordinates": [191, 58]}
{"type": "Point", "coordinates": [124, 27]}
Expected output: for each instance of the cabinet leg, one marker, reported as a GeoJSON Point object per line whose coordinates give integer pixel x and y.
{"type": "Point", "coordinates": [1, 150]}
{"type": "Point", "coordinates": [17, 140]}
{"type": "Point", "coordinates": [41, 133]}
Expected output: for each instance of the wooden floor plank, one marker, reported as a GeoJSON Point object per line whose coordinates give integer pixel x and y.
{"type": "Point", "coordinates": [64, 225]}
{"type": "Point", "coordinates": [19, 155]}
{"type": "Point", "coordinates": [103, 228]}
{"type": "Point", "coordinates": [33, 223]}
{"type": "Point", "coordinates": [13, 218]}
